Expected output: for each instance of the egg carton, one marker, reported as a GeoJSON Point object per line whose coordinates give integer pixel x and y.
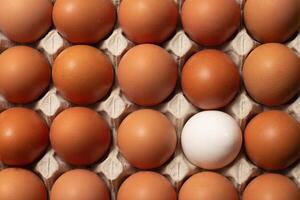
{"type": "Point", "coordinates": [114, 168]}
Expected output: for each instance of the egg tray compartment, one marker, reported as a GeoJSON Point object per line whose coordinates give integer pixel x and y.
{"type": "Point", "coordinates": [113, 168]}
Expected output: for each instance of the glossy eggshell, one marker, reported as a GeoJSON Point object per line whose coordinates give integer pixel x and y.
{"type": "Point", "coordinates": [148, 21]}
{"type": "Point", "coordinates": [24, 74]}
{"type": "Point", "coordinates": [210, 79]}
{"type": "Point", "coordinates": [21, 184]}
{"type": "Point", "coordinates": [25, 21]}
{"type": "Point", "coordinates": [211, 139]}
{"type": "Point", "coordinates": [207, 185]}
{"type": "Point", "coordinates": [271, 187]}
{"type": "Point", "coordinates": [277, 135]}
{"type": "Point", "coordinates": [79, 184]}
{"type": "Point", "coordinates": [147, 74]}
{"type": "Point", "coordinates": [23, 136]}
{"type": "Point", "coordinates": [85, 21]}
{"type": "Point", "coordinates": [272, 20]}
{"type": "Point", "coordinates": [82, 74]}
{"type": "Point", "coordinates": [80, 136]}
{"type": "Point", "coordinates": [146, 185]}
{"type": "Point", "coordinates": [271, 74]}
{"type": "Point", "coordinates": [210, 22]}
{"type": "Point", "coordinates": [146, 138]}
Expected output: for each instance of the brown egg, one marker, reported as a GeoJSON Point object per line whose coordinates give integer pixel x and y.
{"type": "Point", "coordinates": [148, 21]}
{"type": "Point", "coordinates": [80, 136]}
{"type": "Point", "coordinates": [210, 22]}
{"type": "Point", "coordinates": [79, 184]}
{"type": "Point", "coordinates": [82, 74]}
{"type": "Point", "coordinates": [146, 185]}
{"type": "Point", "coordinates": [210, 79]}
{"type": "Point", "coordinates": [272, 20]}
{"type": "Point", "coordinates": [85, 21]}
{"type": "Point", "coordinates": [24, 74]}
{"type": "Point", "coordinates": [23, 136]}
{"type": "Point", "coordinates": [271, 187]}
{"type": "Point", "coordinates": [147, 74]}
{"type": "Point", "coordinates": [147, 138]}
{"type": "Point", "coordinates": [21, 184]}
{"type": "Point", "coordinates": [272, 140]}
{"type": "Point", "coordinates": [272, 74]}
{"type": "Point", "coordinates": [25, 21]}
{"type": "Point", "coordinates": [209, 186]}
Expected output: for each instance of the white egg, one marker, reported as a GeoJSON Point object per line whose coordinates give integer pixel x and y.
{"type": "Point", "coordinates": [211, 139]}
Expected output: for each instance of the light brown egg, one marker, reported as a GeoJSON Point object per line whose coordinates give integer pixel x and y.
{"type": "Point", "coordinates": [21, 184]}
{"type": "Point", "coordinates": [24, 74]}
{"type": "Point", "coordinates": [146, 185]}
{"type": "Point", "coordinates": [23, 136]}
{"type": "Point", "coordinates": [272, 140]}
{"type": "Point", "coordinates": [272, 20]}
{"type": "Point", "coordinates": [272, 74]}
{"type": "Point", "coordinates": [271, 187]}
{"type": "Point", "coordinates": [82, 74]}
{"type": "Point", "coordinates": [147, 74]}
{"type": "Point", "coordinates": [79, 184]}
{"type": "Point", "coordinates": [209, 186]}
{"type": "Point", "coordinates": [146, 138]}
{"type": "Point", "coordinates": [80, 136]}
{"type": "Point", "coordinates": [85, 21]}
{"type": "Point", "coordinates": [148, 21]}
{"type": "Point", "coordinates": [25, 21]}
{"type": "Point", "coordinates": [210, 79]}
{"type": "Point", "coordinates": [210, 22]}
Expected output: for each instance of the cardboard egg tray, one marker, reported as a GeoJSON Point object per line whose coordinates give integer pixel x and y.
{"type": "Point", "coordinates": [113, 168]}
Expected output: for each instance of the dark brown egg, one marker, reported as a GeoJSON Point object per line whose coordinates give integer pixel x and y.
{"type": "Point", "coordinates": [146, 138]}
{"type": "Point", "coordinates": [271, 187]}
{"type": "Point", "coordinates": [82, 74]}
{"type": "Point", "coordinates": [79, 184]}
{"type": "Point", "coordinates": [209, 186]}
{"type": "Point", "coordinates": [147, 74]}
{"type": "Point", "coordinates": [210, 79]}
{"type": "Point", "coordinates": [23, 136]}
{"type": "Point", "coordinates": [272, 20]}
{"type": "Point", "coordinates": [272, 140]}
{"type": "Point", "coordinates": [25, 21]}
{"type": "Point", "coordinates": [21, 184]}
{"type": "Point", "coordinates": [146, 186]}
{"type": "Point", "coordinates": [80, 136]}
{"type": "Point", "coordinates": [85, 21]}
{"type": "Point", "coordinates": [24, 74]}
{"type": "Point", "coordinates": [148, 21]}
{"type": "Point", "coordinates": [210, 22]}
{"type": "Point", "coordinates": [272, 74]}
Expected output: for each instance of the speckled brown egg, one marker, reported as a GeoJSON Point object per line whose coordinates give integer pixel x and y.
{"type": "Point", "coordinates": [80, 136]}
{"type": "Point", "coordinates": [79, 184]}
{"type": "Point", "coordinates": [146, 138]}
{"type": "Point", "coordinates": [272, 20]}
{"type": "Point", "coordinates": [24, 74]}
{"type": "Point", "coordinates": [85, 21]}
{"type": "Point", "coordinates": [146, 185]}
{"type": "Point", "coordinates": [23, 136]}
{"type": "Point", "coordinates": [147, 74]}
{"type": "Point", "coordinates": [210, 79]}
{"type": "Point", "coordinates": [210, 22]}
{"type": "Point", "coordinates": [209, 186]}
{"type": "Point", "coordinates": [271, 187]}
{"type": "Point", "coordinates": [272, 74]}
{"type": "Point", "coordinates": [25, 21]}
{"type": "Point", "coordinates": [272, 140]}
{"type": "Point", "coordinates": [82, 74]}
{"type": "Point", "coordinates": [21, 184]}
{"type": "Point", "coordinates": [148, 21]}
